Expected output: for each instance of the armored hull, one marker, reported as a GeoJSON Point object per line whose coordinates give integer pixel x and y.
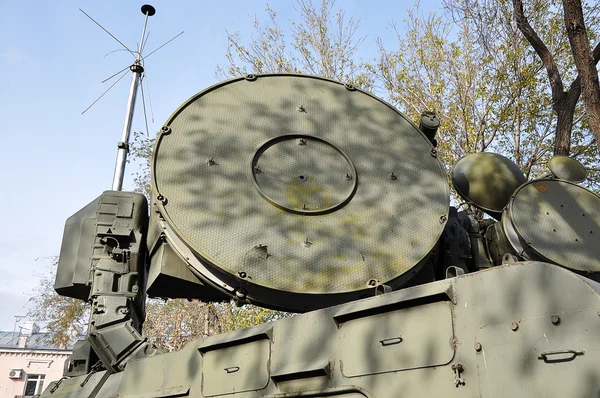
{"type": "Point", "coordinates": [524, 329]}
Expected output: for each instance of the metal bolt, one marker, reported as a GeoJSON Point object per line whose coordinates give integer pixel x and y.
{"type": "Point", "coordinates": [241, 293]}
{"type": "Point", "coordinates": [162, 199]}
{"type": "Point", "coordinates": [478, 347]}
{"type": "Point", "coordinates": [433, 152]}
{"type": "Point", "coordinates": [250, 77]}
{"type": "Point", "coordinates": [372, 282]}
{"type": "Point", "coordinates": [555, 319]}
{"type": "Point", "coordinates": [166, 130]}
{"type": "Point", "coordinates": [514, 326]}
{"type": "Point", "coordinates": [242, 274]}
{"type": "Point", "coordinates": [393, 177]}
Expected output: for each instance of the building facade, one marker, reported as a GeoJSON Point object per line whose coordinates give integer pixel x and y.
{"type": "Point", "coordinates": [28, 363]}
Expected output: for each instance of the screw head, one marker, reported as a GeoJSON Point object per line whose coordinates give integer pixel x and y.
{"type": "Point", "coordinates": [555, 319]}
{"type": "Point", "coordinates": [514, 326]}
{"type": "Point", "coordinates": [166, 130]}
{"type": "Point", "coordinates": [478, 347]}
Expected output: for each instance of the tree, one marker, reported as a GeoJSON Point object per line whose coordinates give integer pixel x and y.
{"type": "Point", "coordinates": [564, 102]}
{"type": "Point", "coordinates": [65, 318]}
{"type": "Point", "coordinates": [475, 81]}
{"type": "Point", "coordinates": [321, 42]}
{"type": "Point", "coordinates": [171, 324]}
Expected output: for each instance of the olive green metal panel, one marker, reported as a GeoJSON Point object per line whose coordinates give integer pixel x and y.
{"type": "Point", "coordinates": [556, 221]}
{"type": "Point", "coordinates": [503, 320]}
{"type": "Point", "coordinates": [487, 180]}
{"type": "Point", "coordinates": [410, 338]}
{"type": "Point", "coordinates": [234, 369]}
{"type": "Point", "coordinates": [285, 182]}
{"type": "Point", "coordinates": [73, 273]}
{"type": "Point", "coordinates": [553, 356]}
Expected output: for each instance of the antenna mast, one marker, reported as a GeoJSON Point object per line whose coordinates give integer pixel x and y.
{"type": "Point", "coordinates": [136, 72]}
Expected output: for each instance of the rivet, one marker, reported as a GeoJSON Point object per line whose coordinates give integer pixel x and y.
{"type": "Point", "coordinates": [349, 87]}
{"type": "Point", "coordinates": [372, 282]}
{"type": "Point", "coordinates": [514, 326]}
{"type": "Point", "coordinates": [433, 152]}
{"type": "Point", "coordinates": [242, 274]}
{"type": "Point", "coordinates": [166, 130]}
{"type": "Point", "coordinates": [241, 293]}
{"type": "Point", "coordinates": [250, 77]}
{"type": "Point", "coordinates": [478, 347]}
{"type": "Point", "coordinates": [443, 219]}
{"type": "Point", "coordinates": [555, 319]}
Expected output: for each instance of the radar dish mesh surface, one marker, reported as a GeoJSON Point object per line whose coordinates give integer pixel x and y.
{"type": "Point", "coordinates": [557, 221]}
{"type": "Point", "coordinates": [487, 180]}
{"type": "Point", "coordinates": [300, 184]}
{"type": "Point", "coordinates": [567, 168]}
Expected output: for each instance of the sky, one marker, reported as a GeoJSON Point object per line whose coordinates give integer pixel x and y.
{"type": "Point", "coordinates": [53, 159]}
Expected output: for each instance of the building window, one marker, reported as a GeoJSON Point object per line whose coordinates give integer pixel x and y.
{"type": "Point", "coordinates": [34, 385]}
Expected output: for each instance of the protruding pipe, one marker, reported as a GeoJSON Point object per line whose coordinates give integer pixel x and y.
{"type": "Point", "coordinates": [429, 125]}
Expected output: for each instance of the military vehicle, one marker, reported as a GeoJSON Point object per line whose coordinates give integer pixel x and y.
{"type": "Point", "coordinates": [307, 195]}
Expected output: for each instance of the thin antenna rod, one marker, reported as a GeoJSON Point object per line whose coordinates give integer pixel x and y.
{"type": "Point", "coordinates": [136, 72]}
{"type": "Point", "coordinates": [144, 106]}
{"type": "Point", "coordinates": [121, 71]}
{"type": "Point", "coordinates": [111, 35]}
{"type": "Point", "coordinates": [107, 90]}
{"type": "Point", "coordinates": [167, 42]}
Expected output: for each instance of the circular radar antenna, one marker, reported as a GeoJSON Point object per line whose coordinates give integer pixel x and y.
{"type": "Point", "coordinates": [555, 221]}
{"type": "Point", "coordinates": [296, 192]}
{"type": "Point", "coordinates": [487, 180]}
{"type": "Point", "coordinates": [567, 168]}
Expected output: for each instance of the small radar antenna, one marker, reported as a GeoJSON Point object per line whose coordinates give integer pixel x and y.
{"type": "Point", "coordinates": [137, 76]}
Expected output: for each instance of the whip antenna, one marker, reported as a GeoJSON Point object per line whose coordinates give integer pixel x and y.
{"type": "Point", "coordinates": [136, 72]}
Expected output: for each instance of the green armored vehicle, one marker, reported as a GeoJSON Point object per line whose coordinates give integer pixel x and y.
{"type": "Point", "coordinates": [303, 194]}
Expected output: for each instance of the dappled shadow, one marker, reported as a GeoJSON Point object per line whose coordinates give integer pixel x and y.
{"type": "Point", "coordinates": [388, 226]}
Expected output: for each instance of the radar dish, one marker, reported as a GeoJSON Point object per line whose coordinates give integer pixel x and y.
{"type": "Point", "coordinates": [487, 180]}
{"type": "Point", "coordinates": [299, 191]}
{"type": "Point", "coordinates": [567, 168]}
{"type": "Point", "coordinates": [555, 221]}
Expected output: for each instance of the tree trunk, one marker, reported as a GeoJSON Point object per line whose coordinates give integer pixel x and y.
{"type": "Point", "coordinates": [584, 60]}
